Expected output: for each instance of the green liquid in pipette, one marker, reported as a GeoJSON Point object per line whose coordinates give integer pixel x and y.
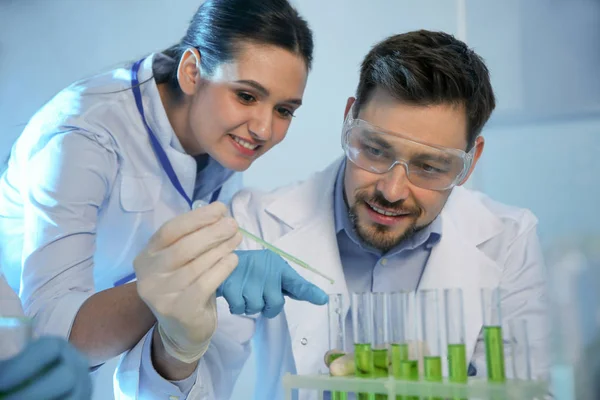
{"type": "Point", "coordinates": [432, 366]}
{"type": "Point", "coordinates": [283, 254]}
{"type": "Point", "coordinates": [381, 362]}
{"type": "Point", "coordinates": [337, 395]}
{"type": "Point", "coordinates": [364, 364]}
{"type": "Point", "coordinates": [457, 363]}
{"type": "Point", "coordinates": [494, 353]}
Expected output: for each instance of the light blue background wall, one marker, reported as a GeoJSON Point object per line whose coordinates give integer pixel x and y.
{"type": "Point", "coordinates": [542, 143]}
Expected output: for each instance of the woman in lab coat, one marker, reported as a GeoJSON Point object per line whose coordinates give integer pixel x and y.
{"type": "Point", "coordinates": [110, 159]}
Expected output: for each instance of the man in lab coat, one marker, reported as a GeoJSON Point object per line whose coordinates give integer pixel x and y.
{"type": "Point", "coordinates": [391, 214]}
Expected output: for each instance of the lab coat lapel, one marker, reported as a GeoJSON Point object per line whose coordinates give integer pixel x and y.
{"type": "Point", "coordinates": [313, 240]}
{"type": "Point", "coordinates": [457, 262]}
{"type": "Point", "coordinates": [183, 164]}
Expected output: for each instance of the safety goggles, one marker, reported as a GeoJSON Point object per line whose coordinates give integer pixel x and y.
{"type": "Point", "coordinates": [377, 150]}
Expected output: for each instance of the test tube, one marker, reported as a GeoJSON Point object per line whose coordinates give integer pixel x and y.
{"type": "Point", "coordinates": [430, 337]}
{"type": "Point", "coordinates": [492, 334]}
{"type": "Point", "coordinates": [404, 338]}
{"type": "Point", "coordinates": [362, 330]}
{"type": "Point", "coordinates": [520, 352]}
{"type": "Point", "coordinates": [399, 347]}
{"type": "Point", "coordinates": [337, 333]}
{"type": "Point", "coordinates": [399, 350]}
{"type": "Point", "coordinates": [381, 337]}
{"type": "Point", "coordinates": [455, 336]}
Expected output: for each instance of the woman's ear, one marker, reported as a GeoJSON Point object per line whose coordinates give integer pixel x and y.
{"type": "Point", "coordinates": [188, 71]}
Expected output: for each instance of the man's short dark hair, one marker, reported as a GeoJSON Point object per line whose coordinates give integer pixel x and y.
{"type": "Point", "coordinates": [429, 68]}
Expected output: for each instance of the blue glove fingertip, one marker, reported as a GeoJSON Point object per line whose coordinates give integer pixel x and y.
{"type": "Point", "coordinates": [321, 298]}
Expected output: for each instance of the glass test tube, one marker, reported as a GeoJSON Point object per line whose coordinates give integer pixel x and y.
{"type": "Point", "coordinates": [362, 330]}
{"type": "Point", "coordinates": [398, 304]}
{"type": "Point", "coordinates": [337, 333]}
{"type": "Point", "coordinates": [520, 352]}
{"type": "Point", "coordinates": [405, 365]}
{"type": "Point", "coordinates": [430, 328]}
{"type": "Point", "coordinates": [381, 337]}
{"type": "Point", "coordinates": [399, 347]}
{"type": "Point", "coordinates": [455, 336]}
{"type": "Point", "coordinates": [15, 334]}
{"type": "Point", "coordinates": [492, 333]}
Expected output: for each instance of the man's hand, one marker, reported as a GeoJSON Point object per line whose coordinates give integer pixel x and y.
{"type": "Point", "coordinates": [261, 280]}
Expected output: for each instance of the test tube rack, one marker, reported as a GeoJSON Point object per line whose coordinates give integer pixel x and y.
{"type": "Point", "coordinates": [475, 388]}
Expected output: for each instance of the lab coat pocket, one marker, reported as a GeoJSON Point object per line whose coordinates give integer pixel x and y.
{"type": "Point", "coordinates": [139, 193]}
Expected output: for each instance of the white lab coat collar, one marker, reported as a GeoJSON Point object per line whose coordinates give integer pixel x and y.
{"type": "Point", "coordinates": [156, 117]}
{"type": "Point", "coordinates": [455, 262]}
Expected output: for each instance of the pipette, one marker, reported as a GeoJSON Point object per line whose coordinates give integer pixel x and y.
{"type": "Point", "coordinates": [285, 255]}
{"type": "Point", "coordinates": [289, 257]}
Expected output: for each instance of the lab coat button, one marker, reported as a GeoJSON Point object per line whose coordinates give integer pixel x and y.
{"type": "Point", "coordinates": [383, 261]}
{"type": "Point", "coordinates": [173, 397]}
{"type": "Point", "coordinates": [303, 342]}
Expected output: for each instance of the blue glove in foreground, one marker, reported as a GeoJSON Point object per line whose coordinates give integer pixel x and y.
{"type": "Point", "coordinates": [260, 281]}
{"type": "Point", "coordinates": [49, 368]}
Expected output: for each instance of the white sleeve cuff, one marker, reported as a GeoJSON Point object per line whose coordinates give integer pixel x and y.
{"type": "Point", "coordinates": [153, 385]}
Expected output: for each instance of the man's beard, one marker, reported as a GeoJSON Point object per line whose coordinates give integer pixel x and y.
{"type": "Point", "coordinates": [383, 237]}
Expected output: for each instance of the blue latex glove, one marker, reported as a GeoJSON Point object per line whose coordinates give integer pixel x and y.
{"type": "Point", "coordinates": [260, 281]}
{"type": "Point", "coordinates": [48, 368]}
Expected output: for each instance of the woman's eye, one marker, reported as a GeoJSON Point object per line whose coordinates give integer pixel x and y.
{"type": "Point", "coordinates": [284, 112]}
{"type": "Point", "coordinates": [246, 97]}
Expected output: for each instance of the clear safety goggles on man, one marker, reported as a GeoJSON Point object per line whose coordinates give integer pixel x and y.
{"type": "Point", "coordinates": [379, 151]}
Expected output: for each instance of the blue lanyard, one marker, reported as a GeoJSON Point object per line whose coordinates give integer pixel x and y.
{"type": "Point", "coordinates": [158, 150]}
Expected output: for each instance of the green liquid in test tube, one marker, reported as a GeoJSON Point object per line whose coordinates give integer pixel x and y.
{"type": "Point", "coordinates": [492, 334]}
{"type": "Point", "coordinates": [381, 362]}
{"type": "Point", "coordinates": [432, 367]}
{"type": "Point", "coordinates": [399, 353]}
{"type": "Point", "coordinates": [381, 338]}
{"type": "Point", "coordinates": [338, 395]}
{"type": "Point", "coordinates": [409, 370]}
{"type": "Point", "coordinates": [457, 363]}
{"type": "Point", "coordinates": [430, 328]}
{"type": "Point", "coordinates": [362, 331]}
{"type": "Point", "coordinates": [403, 331]}
{"type": "Point", "coordinates": [494, 353]}
{"type": "Point", "coordinates": [364, 365]}
{"type": "Point", "coordinates": [337, 333]}
{"type": "Point", "coordinates": [364, 360]}
{"type": "Point", "coordinates": [455, 336]}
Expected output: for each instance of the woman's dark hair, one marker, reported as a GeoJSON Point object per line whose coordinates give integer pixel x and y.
{"type": "Point", "coordinates": [220, 27]}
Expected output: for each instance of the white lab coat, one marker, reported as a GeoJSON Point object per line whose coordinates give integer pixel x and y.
{"type": "Point", "coordinates": [483, 244]}
{"type": "Point", "coordinates": [83, 194]}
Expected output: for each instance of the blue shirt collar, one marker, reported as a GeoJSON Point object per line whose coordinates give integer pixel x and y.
{"type": "Point", "coordinates": [427, 237]}
{"type": "Point", "coordinates": [210, 175]}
